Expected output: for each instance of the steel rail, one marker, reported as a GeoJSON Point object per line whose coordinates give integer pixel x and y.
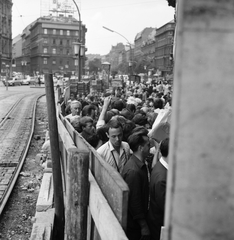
{"type": "Point", "coordinates": [14, 178]}
{"type": "Point", "coordinates": [2, 121]}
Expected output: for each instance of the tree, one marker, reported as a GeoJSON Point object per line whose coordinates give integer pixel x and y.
{"type": "Point", "coordinates": [95, 65]}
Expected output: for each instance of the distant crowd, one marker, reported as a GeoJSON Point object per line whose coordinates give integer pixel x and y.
{"type": "Point", "coordinates": [129, 128]}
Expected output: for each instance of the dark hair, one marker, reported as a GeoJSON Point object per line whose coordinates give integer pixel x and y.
{"type": "Point", "coordinates": [93, 140]}
{"type": "Point", "coordinates": [108, 116]}
{"type": "Point", "coordinates": [127, 114]}
{"type": "Point", "coordinates": [158, 103]}
{"type": "Point", "coordinates": [136, 139]}
{"type": "Point", "coordinates": [85, 120]}
{"type": "Point", "coordinates": [140, 119]}
{"type": "Point", "coordinates": [101, 133]}
{"type": "Point", "coordinates": [127, 129]}
{"type": "Point", "coordinates": [164, 147]}
{"type": "Point", "coordinates": [118, 104]}
{"type": "Point", "coordinates": [84, 103]}
{"type": "Point", "coordinates": [114, 123]}
{"type": "Point", "coordinates": [87, 110]}
{"type": "Point", "coordinates": [131, 107]}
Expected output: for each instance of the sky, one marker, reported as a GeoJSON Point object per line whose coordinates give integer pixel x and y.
{"type": "Point", "coordinates": [126, 17]}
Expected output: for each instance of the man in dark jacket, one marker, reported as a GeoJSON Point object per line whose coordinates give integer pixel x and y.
{"type": "Point", "coordinates": [158, 183]}
{"type": "Point", "coordinates": [136, 175]}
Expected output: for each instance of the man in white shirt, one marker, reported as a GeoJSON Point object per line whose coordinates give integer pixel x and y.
{"type": "Point", "coordinates": [115, 151]}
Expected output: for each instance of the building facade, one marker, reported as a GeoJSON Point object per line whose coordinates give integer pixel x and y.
{"type": "Point", "coordinates": [140, 39]}
{"type": "Point", "coordinates": [51, 45]}
{"type": "Point", "coordinates": [164, 40]}
{"type": "Point", "coordinates": [5, 36]}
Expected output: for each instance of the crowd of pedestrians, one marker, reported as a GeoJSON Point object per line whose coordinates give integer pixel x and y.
{"type": "Point", "coordinates": [129, 128]}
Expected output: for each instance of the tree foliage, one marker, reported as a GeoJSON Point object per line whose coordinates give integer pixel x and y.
{"type": "Point", "coordinates": [95, 65]}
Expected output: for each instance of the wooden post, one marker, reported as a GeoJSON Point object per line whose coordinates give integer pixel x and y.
{"type": "Point", "coordinates": [201, 171]}
{"type": "Point", "coordinates": [77, 195]}
{"type": "Point", "coordinates": [55, 156]}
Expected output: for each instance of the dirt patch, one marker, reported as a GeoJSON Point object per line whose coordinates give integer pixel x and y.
{"type": "Point", "coordinates": [17, 218]}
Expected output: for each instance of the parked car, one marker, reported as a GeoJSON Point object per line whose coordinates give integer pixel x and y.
{"type": "Point", "coordinates": [12, 81]}
{"type": "Point", "coordinates": [25, 81]}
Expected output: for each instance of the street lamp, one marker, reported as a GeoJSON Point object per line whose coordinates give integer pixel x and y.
{"type": "Point", "coordinates": [77, 54]}
{"type": "Point", "coordinates": [79, 51]}
{"type": "Point", "coordinates": [130, 45]}
{"type": "Point", "coordinates": [80, 42]}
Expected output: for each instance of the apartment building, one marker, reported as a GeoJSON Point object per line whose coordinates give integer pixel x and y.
{"type": "Point", "coordinates": [5, 36]}
{"type": "Point", "coordinates": [51, 45]}
{"type": "Point", "coordinates": [164, 40]}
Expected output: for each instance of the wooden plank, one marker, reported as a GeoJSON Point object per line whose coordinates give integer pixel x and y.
{"type": "Point", "coordinates": [46, 217]}
{"type": "Point", "coordinates": [113, 187]}
{"type": "Point", "coordinates": [111, 183]}
{"type": "Point", "coordinates": [65, 136]}
{"type": "Point", "coordinates": [63, 161]}
{"type": "Point", "coordinates": [45, 197]}
{"type": "Point", "coordinates": [77, 195]}
{"type": "Point", "coordinates": [104, 218]}
{"type": "Point", "coordinates": [41, 231]}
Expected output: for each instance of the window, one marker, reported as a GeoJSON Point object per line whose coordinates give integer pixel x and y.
{"type": "Point", "coordinates": [54, 50]}
{"type": "Point", "coordinates": [68, 41]}
{"type": "Point", "coordinates": [54, 41]}
{"type": "Point", "coordinates": [54, 31]}
{"type": "Point", "coordinates": [76, 62]}
{"type": "Point", "coordinates": [68, 32]}
{"type": "Point", "coordinates": [68, 52]}
{"type": "Point", "coordinates": [44, 60]}
{"type": "Point", "coordinates": [61, 42]}
{"type": "Point", "coordinates": [61, 32]}
{"type": "Point", "coordinates": [45, 50]}
{"type": "Point", "coordinates": [61, 51]}
{"type": "Point", "coordinates": [45, 31]}
{"type": "Point", "coordinates": [53, 61]}
{"type": "Point", "coordinates": [76, 33]}
{"type": "Point", "coordinates": [45, 40]}
{"type": "Point", "coordinates": [61, 62]}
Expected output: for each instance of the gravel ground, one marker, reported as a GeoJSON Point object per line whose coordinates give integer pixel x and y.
{"type": "Point", "coordinates": [17, 218]}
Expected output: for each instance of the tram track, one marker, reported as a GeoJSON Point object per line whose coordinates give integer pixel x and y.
{"type": "Point", "coordinates": [4, 118]}
{"type": "Point", "coordinates": [16, 131]}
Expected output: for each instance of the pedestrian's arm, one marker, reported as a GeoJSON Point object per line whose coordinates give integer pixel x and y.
{"type": "Point", "coordinates": [101, 119]}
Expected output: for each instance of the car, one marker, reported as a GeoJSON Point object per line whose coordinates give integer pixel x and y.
{"type": "Point", "coordinates": [12, 81]}
{"type": "Point", "coordinates": [25, 81]}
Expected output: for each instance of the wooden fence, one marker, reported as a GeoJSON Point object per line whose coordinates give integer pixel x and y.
{"type": "Point", "coordinates": [107, 191]}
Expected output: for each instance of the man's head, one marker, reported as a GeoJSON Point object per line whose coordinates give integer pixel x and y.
{"type": "Point", "coordinates": [89, 110]}
{"type": "Point", "coordinates": [118, 104]}
{"type": "Point", "coordinates": [139, 141]}
{"type": "Point", "coordinates": [86, 124]}
{"type": "Point", "coordinates": [72, 96]}
{"type": "Point", "coordinates": [115, 132]}
{"type": "Point", "coordinates": [75, 122]}
{"type": "Point", "coordinates": [75, 107]}
{"type": "Point", "coordinates": [164, 147]}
